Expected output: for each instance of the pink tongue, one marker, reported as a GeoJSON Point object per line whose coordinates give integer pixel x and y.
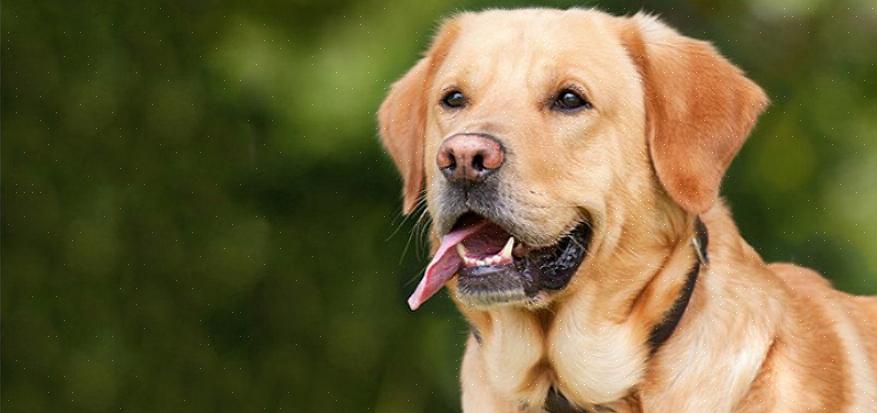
{"type": "Point", "coordinates": [443, 266]}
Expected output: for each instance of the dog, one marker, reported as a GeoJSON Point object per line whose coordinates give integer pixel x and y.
{"type": "Point", "coordinates": [570, 162]}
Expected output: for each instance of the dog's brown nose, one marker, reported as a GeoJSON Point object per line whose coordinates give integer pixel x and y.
{"type": "Point", "coordinates": [468, 158]}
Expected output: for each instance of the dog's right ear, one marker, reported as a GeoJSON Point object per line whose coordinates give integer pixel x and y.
{"type": "Point", "coordinates": [402, 116]}
{"type": "Point", "coordinates": [700, 109]}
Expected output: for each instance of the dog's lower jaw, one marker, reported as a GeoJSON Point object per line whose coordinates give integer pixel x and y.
{"type": "Point", "coordinates": [519, 299]}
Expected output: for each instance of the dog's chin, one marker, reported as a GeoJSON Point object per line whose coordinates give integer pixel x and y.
{"type": "Point", "coordinates": [529, 277]}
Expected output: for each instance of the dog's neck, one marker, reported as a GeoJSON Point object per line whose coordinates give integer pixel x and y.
{"type": "Point", "coordinates": [618, 319]}
{"type": "Point", "coordinates": [556, 402]}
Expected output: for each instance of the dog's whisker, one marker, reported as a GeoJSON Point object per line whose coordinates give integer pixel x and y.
{"type": "Point", "coordinates": [414, 232]}
{"type": "Point", "coordinates": [398, 225]}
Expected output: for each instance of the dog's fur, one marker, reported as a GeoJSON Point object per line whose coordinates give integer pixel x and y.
{"type": "Point", "coordinates": [669, 114]}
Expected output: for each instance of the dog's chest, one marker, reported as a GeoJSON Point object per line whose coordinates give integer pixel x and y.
{"type": "Point", "coordinates": [588, 362]}
{"type": "Point", "coordinates": [595, 364]}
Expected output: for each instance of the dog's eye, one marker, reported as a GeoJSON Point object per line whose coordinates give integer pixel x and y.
{"type": "Point", "coordinates": [454, 99]}
{"type": "Point", "coordinates": [568, 100]}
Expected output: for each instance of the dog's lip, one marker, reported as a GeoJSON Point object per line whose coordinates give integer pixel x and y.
{"type": "Point", "coordinates": [471, 218]}
{"type": "Point", "coordinates": [502, 236]}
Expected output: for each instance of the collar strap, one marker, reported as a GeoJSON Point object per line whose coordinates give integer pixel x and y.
{"type": "Point", "coordinates": [663, 330]}
{"type": "Point", "coordinates": [558, 403]}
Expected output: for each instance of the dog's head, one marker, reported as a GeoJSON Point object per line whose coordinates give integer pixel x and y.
{"type": "Point", "coordinates": [537, 133]}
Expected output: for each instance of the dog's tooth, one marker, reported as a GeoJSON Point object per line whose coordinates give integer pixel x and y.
{"type": "Point", "coordinates": [507, 250]}
{"type": "Point", "coordinates": [461, 250]}
{"type": "Point", "coordinates": [480, 263]}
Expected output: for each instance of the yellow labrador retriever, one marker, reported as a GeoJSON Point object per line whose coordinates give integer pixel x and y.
{"type": "Point", "coordinates": [571, 162]}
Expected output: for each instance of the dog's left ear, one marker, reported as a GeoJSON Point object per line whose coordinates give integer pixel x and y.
{"type": "Point", "coordinates": [402, 116]}
{"type": "Point", "coordinates": [700, 109]}
{"type": "Point", "coordinates": [402, 124]}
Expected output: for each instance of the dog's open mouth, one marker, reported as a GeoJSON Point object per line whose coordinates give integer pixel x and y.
{"type": "Point", "coordinates": [494, 268]}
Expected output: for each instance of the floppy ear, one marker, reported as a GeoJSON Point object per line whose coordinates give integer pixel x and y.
{"type": "Point", "coordinates": [700, 109]}
{"type": "Point", "coordinates": [402, 123]}
{"type": "Point", "coordinates": [402, 116]}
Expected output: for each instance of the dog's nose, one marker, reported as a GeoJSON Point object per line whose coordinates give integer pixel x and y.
{"type": "Point", "coordinates": [469, 158]}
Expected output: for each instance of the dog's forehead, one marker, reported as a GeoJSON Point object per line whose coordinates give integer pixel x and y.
{"type": "Point", "coordinates": [531, 42]}
{"type": "Point", "coordinates": [512, 30]}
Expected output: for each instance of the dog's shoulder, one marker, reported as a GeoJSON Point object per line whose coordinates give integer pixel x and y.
{"type": "Point", "coordinates": [799, 279]}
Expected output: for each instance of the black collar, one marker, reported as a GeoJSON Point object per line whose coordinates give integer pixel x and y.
{"type": "Point", "coordinates": [558, 403]}
{"type": "Point", "coordinates": [661, 332]}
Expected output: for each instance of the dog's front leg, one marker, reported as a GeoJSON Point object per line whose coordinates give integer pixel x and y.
{"type": "Point", "coordinates": [505, 371]}
{"type": "Point", "coordinates": [478, 395]}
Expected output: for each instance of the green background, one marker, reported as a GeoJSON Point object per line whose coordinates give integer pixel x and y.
{"type": "Point", "coordinates": [197, 215]}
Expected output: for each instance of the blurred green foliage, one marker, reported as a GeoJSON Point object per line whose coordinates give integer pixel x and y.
{"type": "Point", "coordinates": [197, 215]}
